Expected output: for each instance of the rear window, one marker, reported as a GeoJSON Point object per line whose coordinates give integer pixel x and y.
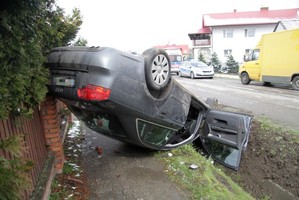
{"type": "Point", "coordinates": [102, 123]}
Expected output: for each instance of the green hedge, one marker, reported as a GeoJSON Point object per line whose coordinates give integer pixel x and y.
{"type": "Point", "coordinates": [29, 29]}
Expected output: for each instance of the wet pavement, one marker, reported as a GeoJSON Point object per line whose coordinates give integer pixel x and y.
{"type": "Point", "coordinates": [116, 170]}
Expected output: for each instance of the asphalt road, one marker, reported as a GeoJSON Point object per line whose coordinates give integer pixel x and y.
{"type": "Point", "coordinates": [278, 102]}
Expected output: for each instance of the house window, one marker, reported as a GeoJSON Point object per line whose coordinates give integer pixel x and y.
{"type": "Point", "coordinates": [249, 32]}
{"type": "Point", "coordinates": [227, 52]}
{"type": "Point", "coordinates": [228, 33]}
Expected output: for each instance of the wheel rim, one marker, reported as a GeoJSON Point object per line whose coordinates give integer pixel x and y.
{"type": "Point", "coordinates": [160, 69]}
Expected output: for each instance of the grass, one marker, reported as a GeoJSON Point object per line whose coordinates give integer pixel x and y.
{"type": "Point", "coordinates": [269, 125]}
{"type": "Point", "coordinates": [69, 168]}
{"type": "Point", "coordinates": [60, 191]}
{"type": "Point", "coordinates": [206, 182]}
{"type": "Point", "coordinates": [282, 139]}
{"type": "Point", "coordinates": [61, 187]}
{"type": "Point", "coordinates": [210, 182]}
{"type": "Point", "coordinates": [59, 194]}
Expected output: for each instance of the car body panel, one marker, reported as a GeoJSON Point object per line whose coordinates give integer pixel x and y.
{"type": "Point", "coordinates": [176, 58]}
{"type": "Point", "coordinates": [131, 112]}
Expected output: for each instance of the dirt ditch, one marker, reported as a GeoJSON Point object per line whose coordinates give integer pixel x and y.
{"type": "Point", "coordinates": [270, 156]}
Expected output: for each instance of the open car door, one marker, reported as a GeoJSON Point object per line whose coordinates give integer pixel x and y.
{"type": "Point", "coordinates": [225, 135]}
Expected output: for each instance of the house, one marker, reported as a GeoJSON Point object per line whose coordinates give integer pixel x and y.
{"type": "Point", "coordinates": [236, 33]}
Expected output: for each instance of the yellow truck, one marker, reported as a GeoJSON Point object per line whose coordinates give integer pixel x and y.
{"type": "Point", "coordinates": [274, 60]}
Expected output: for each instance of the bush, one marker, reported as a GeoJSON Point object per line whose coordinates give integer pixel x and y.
{"type": "Point", "coordinates": [201, 58]}
{"type": "Point", "coordinates": [29, 29]}
{"type": "Point", "coordinates": [215, 62]}
{"type": "Point", "coordinates": [14, 177]}
{"type": "Point", "coordinates": [232, 65]}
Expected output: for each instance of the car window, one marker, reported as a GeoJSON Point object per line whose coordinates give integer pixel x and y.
{"type": "Point", "coordinates": [153, 134]}
{"type": "Point", "coordinates": [187, 65]}
{"type": "Point", "coordinates": [102, 123]}
{"type": "Point", "coordinates": [198, 64]}
{"type": "Point", "coordinates": [223, 153]}
{"type": "Point", "coordinates": [254, 55]}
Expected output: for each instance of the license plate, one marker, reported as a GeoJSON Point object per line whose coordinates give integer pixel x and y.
{"type": "Point", "coordinates": [64, 81]}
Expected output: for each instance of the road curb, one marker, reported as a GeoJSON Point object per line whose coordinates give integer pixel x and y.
{"type": "Point", "coordinates": [276, 191]}
{"type": "Point", "coordinates": [230, 76]}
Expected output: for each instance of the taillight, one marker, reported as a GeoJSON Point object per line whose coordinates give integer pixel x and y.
{"type": "Point", "coordinates": [93, 92]}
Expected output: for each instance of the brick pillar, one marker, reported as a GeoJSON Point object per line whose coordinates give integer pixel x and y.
{"type": "Point", "coordinates": [52, 130]}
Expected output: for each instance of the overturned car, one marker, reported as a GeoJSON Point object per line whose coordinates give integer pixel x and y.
{"type": "Point", "coordinates": [133, 98]}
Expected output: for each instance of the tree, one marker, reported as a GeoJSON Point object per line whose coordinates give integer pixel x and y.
{"type": "Point", "coordinates": [201, 57]}
{"type": "Point", "coordinates": [232, 65]}
{"type": "Point", "coordinates": [29, 29]}
{"type": "Point", "coordinates": [80, 42]}
{"type": "Point", "coordinates": [215, 62]}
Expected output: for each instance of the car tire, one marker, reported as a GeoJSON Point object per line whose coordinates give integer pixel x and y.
{"type": "Point", "coordinates": [267, 83]}
{"type": "Point", "coordinates": [157, 68]}
{"type": "Point", "coordinates": [192, 75]}
{"type": "Point", "coordinates": [295, 83]}
{"type": "Point", "coordinates": [245, 78]}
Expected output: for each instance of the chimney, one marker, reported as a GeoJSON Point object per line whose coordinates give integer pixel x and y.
{"type": "Point", "coordinates": [264, 8]}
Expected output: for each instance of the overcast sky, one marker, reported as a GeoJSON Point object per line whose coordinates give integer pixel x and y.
{"type": "Point", "coordinates": [140, 24]}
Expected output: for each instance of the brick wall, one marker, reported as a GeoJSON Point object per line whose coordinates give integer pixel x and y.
{"type": "Point", "coordinates": [51, 124]}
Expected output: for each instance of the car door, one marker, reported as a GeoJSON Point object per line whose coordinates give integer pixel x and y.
{"type": "Point", "coordinates": [185, 69]}
{"type": "Point", "coordinates": [253, 67]}
{"type": "Point", "coordinates": [188, 69]}
{"type": "Point", "coordinates": [182, 69]}
{"type": "Point", "coordinates": [225, 136]}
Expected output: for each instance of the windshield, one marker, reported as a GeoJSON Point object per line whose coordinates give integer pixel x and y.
{"type": "Point", "coordinates": [175, 59]}
{"type": "Point", "coordinates": [198, 64]}
{"type": "Point", "coordinates": [175, 56]}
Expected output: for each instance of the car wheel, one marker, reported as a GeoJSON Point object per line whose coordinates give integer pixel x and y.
{"type": "Point", "coordinates": [295, 83]}
{"type": "Point", "coordinates": [157, 68]}
{"type": "Point", "coordinates": [192, 75]}
{"type": "Point", "coordinates": [245, 78]}
{"type": "Point", "coordinates": [267, 83]}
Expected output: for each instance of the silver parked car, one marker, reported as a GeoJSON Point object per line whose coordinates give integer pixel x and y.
{"type": "Point", "coordinates": [196, 69]}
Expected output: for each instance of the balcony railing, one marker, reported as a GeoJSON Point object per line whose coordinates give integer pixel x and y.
{"type": "Point", "coordinates": [204, 42]}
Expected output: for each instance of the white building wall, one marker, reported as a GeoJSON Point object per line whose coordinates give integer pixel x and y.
{"type": "Point", "coordinates": [238, 43]}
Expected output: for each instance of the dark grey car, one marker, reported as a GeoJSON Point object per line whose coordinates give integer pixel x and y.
{"type": "Point", "coordinates": [133, 98]}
